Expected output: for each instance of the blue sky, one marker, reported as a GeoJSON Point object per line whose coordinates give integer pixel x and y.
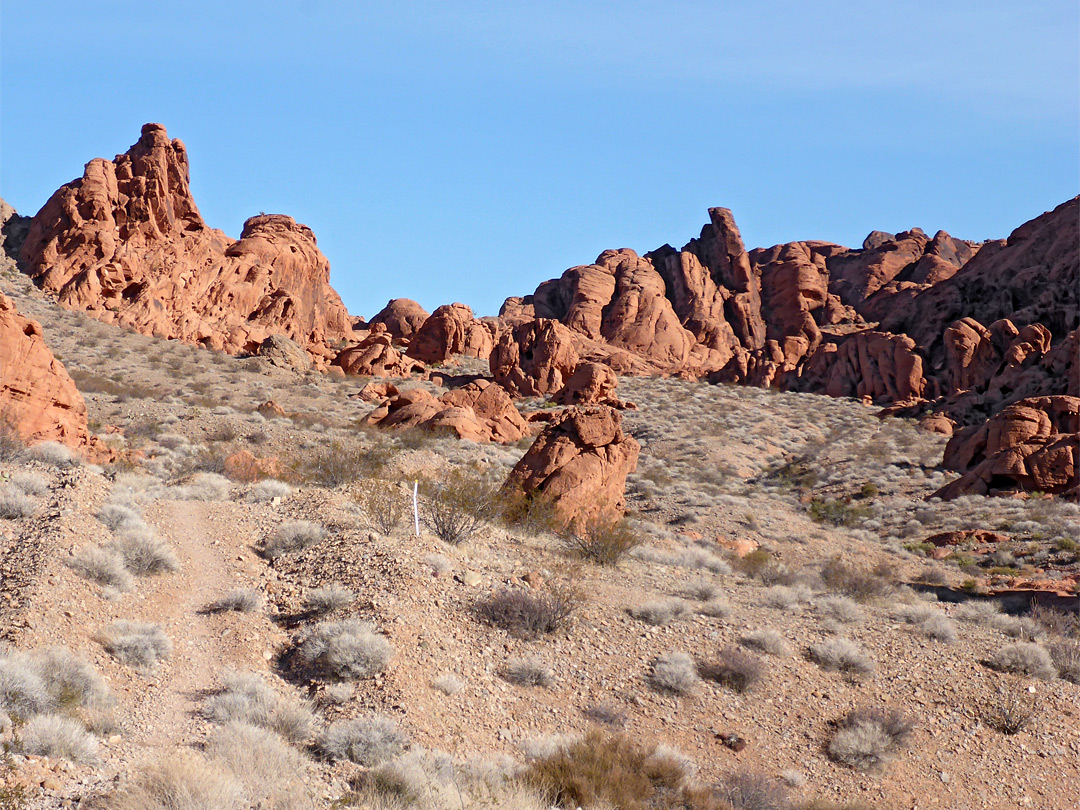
{"type": "Point", "coordinates": [466, 151]}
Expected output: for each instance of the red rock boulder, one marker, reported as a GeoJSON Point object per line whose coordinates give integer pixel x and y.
{"type": "Point", "coordinates": [480, 411]}
{"type": "Point", "coordinates": [451, 330]}
{"type": "Point", "coordinates": [402, 317]}
{"type": "Point", "coordinates": [534, 359]}
{"type": "Point", "coordinates": [590, 384]}
{"type": "Point", "coordinates": [1032, 445]}
{"type": "Point", "coordinates": [375, 356]}
{"type": "Point", "coordinates": [579, 462]}
{"type": "Point", "coordinates": [38, 400]}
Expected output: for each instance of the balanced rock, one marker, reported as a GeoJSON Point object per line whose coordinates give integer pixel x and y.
{"type": "Point", "coordinates": [590, 384]}
{"type": "Point", "coordinates": [579, 462]}
{"type": "Point", "coordinates": [126, 244]}
{"type": "Point", "coordinates": [375, 356]}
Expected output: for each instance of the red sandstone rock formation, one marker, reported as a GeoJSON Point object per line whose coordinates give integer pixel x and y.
{"type": "Point", "coordinates": [590, 384]}
{"type": "Point", "coordinates": [375, 356]}
{"type": "Point", "coordinates": [402, 317]}
{"type": "Point", "coordinates": [1033, 444]}
{"type": "Point", "coordinates": [126, 244]}
{"type": "Point", "coordinates": [38, 400]}
{"type": "Point", "coordinates": [579, 462]}
{"type": "Point", "coordinates": [480, 411]}
{"type": "Point", "coordinates": [534, 359]}
{"type": "Point", "coordinates": [451, 330]}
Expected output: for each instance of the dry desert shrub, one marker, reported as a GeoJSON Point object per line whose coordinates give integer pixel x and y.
{"type": "Point", "coordinates": [602, 542]}
{"type": "Point", "coordinates": [119, 515]}
{"type": "Point", "coordinates": [703, 590]}
{"type": "Point", "coordinates": [183, 781]}
{"type": "Point", "coordinates": [23, 692]}
{"type": "Point", "coordinates": [839, 608]}
{"type": "Point", "coordinates": [785, 597]}
{"type": "Point", "coordinates": [1021, 627]}
{"type": "Point", "coordinates": [12, 447]}
{"type": "Point", "coordinates": [104, 566]}
{"type": "Point", "coordinates": [661, 611]}
{"type": "Point", "coordinates": [366, 741]}
{"type": "Point", "coordinates": [269, 771]}
{"type": "Point", "coordinates": [606, 715]}
{"type": "Point", "coordinates": [1011, 708]}
{"type": "Point", "coordinates": [753, 791]}
{"type": "Point", "coordinates": [868, 739]}
{"type": "Point", "coordinates": [938, 627]}
{"type": "Point", "coordinates": [976, 612]}
{"type": "Point", "coordinates": [526, 614]}
{"type": "Point", "coordinates": [862, 586]}
{"type": "Point", "coordinates": [241, 600]}
{"type": "Point", "coordinates": [1056, 622]}
{"type": "Point", "coordinates": [30, 483]}
{"type": "Point", "coordinates": [459, 507]}
{"type": "Point", "coordinates": [767, 640]}
{"type": "Point", "coordinates": [1065, 653]}
{"type": "Point", "coordinates": [346, 650]}
{"type": "Point", "coordinates": [383, 505]}
{"type": "Point", "coordinates": [293, 535]}
{"type": "Point", "coordinates": [716, 608]}
{"type": "Point", "coordinates": [1024, 658]}
{"type": "Point", "coordinates": [611, 770]}
{"type": "Point", "coordinates": [675, 672]}
{"type": "Point", "coordinates": [204, 486]}
{"type": "Point", "coordinates": [136, 644]}
{"type": "Point", "coordinates": [338, 464]}
{"type": "Point", "coordinates": [69, 680]}
{"type": "Point", "coordinates": [438, 563]}
{"type": "Point", "coordinates": [448, 684]}
{"type": "Point", "coordinates": [321, 601]}
{"type": "Point", "coordinates": [56, 736]}
{"type": "Point", "coordinates": [143, 553]}
{"type": "Point", "coordinates": [53, 454]}
{"type": "Point", "coordinates": [16, 504]}
{"type": "Point", "coordinates": [269, 489]}
{"type": "Point", "coordinates": [529, 672]}
{"type": "Point", "coordinates": [247, 698]}
{"type": "Point", "coordinates": [734, 668]}
{"type": "Point", "coordinates": [842, 655]}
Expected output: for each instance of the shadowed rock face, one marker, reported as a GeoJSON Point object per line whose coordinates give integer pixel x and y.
{"type": "Point", "coordinates": [126, 244]}
{"type": "Point", "coordinates": [37, 397]}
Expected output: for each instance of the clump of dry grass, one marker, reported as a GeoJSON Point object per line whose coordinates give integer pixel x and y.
{"type": "Point", "coordinates": [661, 611]}
{"type": "Point", "coordinates": [675, 672]}
{"type": "Point", "coordinates": [1024, 658]}
{"type": "Point", "coordinates": [530, 671]}
{"type": "Point", "coordinates": [868, 739]}
{"type": "Point", "coordinates": [346, 650]}
{"type": "Point", "coordinates": [365, 740]}
{"type": "Point", "coordinates": [241, 600]}
{"type": "Point", "coordinates": [292, 535]}
{"type": "Point", "coordinates": [767, 640]}
{"type": "Point", "coordinates": [526, 614]}
{"type": "Point", "coordinates": [735, 669]}
{"type": "Point", "coordinates": [53, 735]}
{"type": "Point", "coordinates": [601, 542]}
{"type": "Point", "coordinates": [136, 644]}
{"type": "Point", "coordinates": [247, 698]}
{"type": "Point", "coordinates": [842, 655]}
{"type": "Point", "coordinates": [328, 599]}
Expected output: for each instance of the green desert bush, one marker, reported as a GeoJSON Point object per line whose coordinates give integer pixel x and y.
{"type": "Point", "coordinates": [868, 739]}
{"type": "Point", "coordinates": [346, 650]}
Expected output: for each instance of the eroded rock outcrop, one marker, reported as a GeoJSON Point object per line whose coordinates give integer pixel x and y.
{"type": "Point", "coordinates": [480, 411]}
{"type": "Point", "coordinates": [451, 330]}
{"type": "Point", "coordinates": [38, 400]}
{"type": "Point", "coordinates": [534, 359]}
{"type": "Point", "coordinates": [590, 384]}
{"type": "Point", "coordinates": [375, 356]}
{"type": "Point", "coordinates": [1033, 444]}
{"type": "Point", "coordinates": [402, 318]}
{"type": "Point", "coordinates": [579, 462]}
{"type": "Point", "coordinates": [126, 244]}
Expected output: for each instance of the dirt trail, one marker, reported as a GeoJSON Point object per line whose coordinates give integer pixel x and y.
{"type": "Point", "coordinates": [215, 558]}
